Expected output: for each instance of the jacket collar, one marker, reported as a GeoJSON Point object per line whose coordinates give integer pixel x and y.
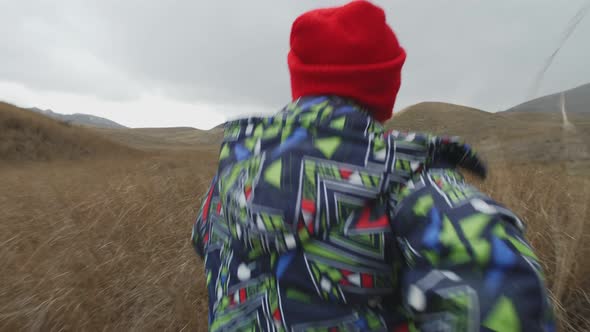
{"type": "Point", "coordinates": [312, 112]}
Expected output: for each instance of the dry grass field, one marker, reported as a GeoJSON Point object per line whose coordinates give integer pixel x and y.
{"type": "Point", "coordinates": [97, 238]}
{"type": "Point", "coordinates": [163, 138]}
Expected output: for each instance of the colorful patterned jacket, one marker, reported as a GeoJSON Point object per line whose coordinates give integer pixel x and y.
{"type": "Point", "coordinates": [320, 220]}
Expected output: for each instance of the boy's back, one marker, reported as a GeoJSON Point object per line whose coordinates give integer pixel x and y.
{"type": "Point", "coordinates": [284, 232]}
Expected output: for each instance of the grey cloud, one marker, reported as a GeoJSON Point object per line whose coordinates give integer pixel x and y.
{"type": "Point", "coordinates": [40, 49]}
{"type": "Point", "coordinates": [480, 53]}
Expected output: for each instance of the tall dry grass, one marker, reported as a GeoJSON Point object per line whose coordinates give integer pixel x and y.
{"type": "Point", "coordinates": [553, 203]}
{"type": "Point", "coordinates": [103, 245]}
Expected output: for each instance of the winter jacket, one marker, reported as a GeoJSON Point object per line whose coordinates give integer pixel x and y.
{"type": "Point", "coordinates": [320, 220]}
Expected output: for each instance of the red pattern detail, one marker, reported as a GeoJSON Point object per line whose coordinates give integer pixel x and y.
{"type": "Point", "coordinates": [366, 280]}
{"type": "Point", "coordinates": [308, 206]}
{"type": "Point", "coordinates": [277, 315]}
{"type": "Point", "coordinates": [219, 208]}
{"type": "Point", "coordinates": [365, 221]}
{"type": "Point", "coordinates": [300, 224]}
{"type": "Point", "coordinates": [310, 228]}
{"type": "Point", "coordinates": [334, 329]}
{"type": "Point", "coordinates": [402, 328]}
{"type": "Point", "coordinates": [248, 192]}
{"type": "Point", "coordinates": [207, 204]}
{"type": "Point", "coordinates": [243, 295]}
{"type": "Point", "coordinates": [345, 173]}
{"type": "Point", "coordinates": [206, 238]}
{"type": "Point", "coordinates": [344, 282]}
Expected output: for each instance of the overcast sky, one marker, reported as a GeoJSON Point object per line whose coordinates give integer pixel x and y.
{"type": "Point", "coordinates": [196, 63]}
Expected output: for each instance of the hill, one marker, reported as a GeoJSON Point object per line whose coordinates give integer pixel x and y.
{"type": "Point", "coordinates": [79, 119]}
{"type": "Point", "coordinates": [443, 118]}
{"type": "Point", "coordinates": [26, 135]}
{"type": "Point", "coordinates": [577, 100]}
{"type": "Point", "coordinates": [507, 136]}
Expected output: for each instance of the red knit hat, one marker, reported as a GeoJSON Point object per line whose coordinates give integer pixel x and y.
{"type": "Point", "coordinates": [348, 51]}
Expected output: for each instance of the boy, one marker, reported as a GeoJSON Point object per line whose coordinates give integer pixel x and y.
{"type": "Point", "coordinates": [320, 220]}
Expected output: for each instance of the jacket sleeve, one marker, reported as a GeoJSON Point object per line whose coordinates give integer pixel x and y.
{"type": "Point", "coordinates": [439, 152]}
{"type": "Point", "coordinates": [201, 227]}
{"type": "Point", "coordinates": [467, 264]}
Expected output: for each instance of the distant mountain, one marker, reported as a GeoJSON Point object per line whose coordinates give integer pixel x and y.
{"type": "Point", "coordinates": [577, 100]}
{"type": "Point", "coordinates": [79, 119]}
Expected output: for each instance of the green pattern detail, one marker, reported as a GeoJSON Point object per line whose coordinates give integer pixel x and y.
{"type": "Point", "coordinates": [503, 317]}
{"type": "Point", "coordinates": [423, 205]}
{"type": "Point", "coordinates": [379, 143]}
{"type": "Point", "coordinates": [328, 145]}
{"type": "Point", "coordinates": [402, 165]}
{"type": "Point", "coordinates": [448, 236]}
{"type": "Point", "coordinates": [255, 252]}
{"type": "Point", "coordinates": [473, 227]}
{"type": "Point", "coordinates": [307, 118]}
{"type": "Point", "coordinates": [431, 256]}
{"type": "Point", "coordinates": [225, 151]}
{"type": "Point", "coordinates": [365, 243]}
{"type": "Point", "coordinates": [273, 173]}
{"type": "Point", "coordinates": [314, 248]}
{"type": "Point", "coordinates": [250, 143]}
{"type": "Point", "coordinates": [522, 248]}
{"type": "Point", "coordinates": [229, 181]}
{"type": "Point", "coordinates": [500, 232]}
{"type": "Point", "coordinates": [272, 131]}
{"type": "Point", "coordinates": [259, 130]}
{"type": "Point", "coordinates": [293, 294]}
{"type": "Point", "coordinates": [482, 250]}
{"type": "Point", "coordinates": [303, 235]}
{"type": "Point", "coordinates": [334, 274]}
{"type": "Point", "coordinates": [338, 123]}
{"type": "Point", "coordinates": [366, 178]}
{"type": "Point", "coordinates": [327, 111]}
{"type": "Point", "coordinates": [286, 132]}
{"type": "Point", "coordinates": [318, 107]}
{"type": "Point", "coordinates": [373, 321]}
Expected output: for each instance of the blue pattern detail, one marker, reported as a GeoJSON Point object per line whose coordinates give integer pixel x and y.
{"type": "Point", "coordinates": [361, 324]}
{"type": "Point", "coordinates": [241, 152]}
{"type": "Point", "coordinates": [299, 135]}
{"type": "Point", "coordinates": [503, 256]}
{"type": "Point", "coordinates": [307, 103]}
{"type": "Point", "coordinates": [284, 263]}
{"type": "Point", "coordinates": [493, 281]}
{"type": "Point", "coordinates": [432, 233]}
{"type": "Point", "coordinates": [344, 110]}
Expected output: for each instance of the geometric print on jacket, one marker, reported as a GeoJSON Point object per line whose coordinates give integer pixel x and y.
{"type": "Point", "coordinates": [299, 233]}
